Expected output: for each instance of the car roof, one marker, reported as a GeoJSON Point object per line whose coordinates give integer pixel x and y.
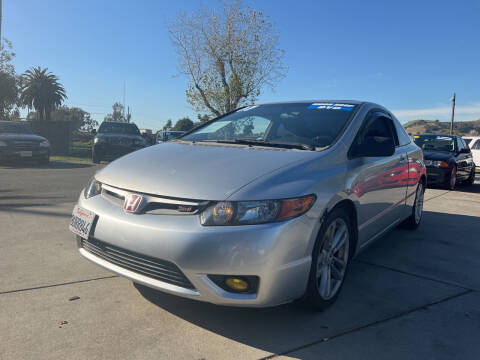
{"type": "Point", "coordinates": [434, 134]}
{"type": "Point", "coordinates": [354, 102]}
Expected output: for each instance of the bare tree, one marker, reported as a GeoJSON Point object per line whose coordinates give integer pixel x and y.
{"type": "Point", "coordinates": [228, 56]}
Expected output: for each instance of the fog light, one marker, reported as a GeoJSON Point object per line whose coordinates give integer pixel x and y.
{"type": "Point", "coordinates": [236, 284]}
{"type": "Point", "coordinates": [240, 284]}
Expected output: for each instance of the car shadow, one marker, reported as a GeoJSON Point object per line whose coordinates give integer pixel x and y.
{"type": "Point", "coordinates": [51, 165]}
{"type": "Point", "coordinates": [371, 293]}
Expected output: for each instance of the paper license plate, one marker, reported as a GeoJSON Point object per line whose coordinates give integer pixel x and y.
{"type": "Point", "coordinates": [82, 220]}
{"type": "Point", "coordinates": [25, 153]}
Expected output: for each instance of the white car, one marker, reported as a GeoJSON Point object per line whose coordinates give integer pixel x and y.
{"type": "Point", "coordinates": [474, 143]}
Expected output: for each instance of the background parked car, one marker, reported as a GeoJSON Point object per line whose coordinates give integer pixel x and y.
{"type": "Point", "coordinates": [17, 141]}
{"type": "Point", "coordinates": [115, 139]}
{"type": "Point", "coordinates": [448, 159]}
{"type": "Point", "coordinates": [166, 135]}
{"type": "Point", "coordinates": [474, 143]}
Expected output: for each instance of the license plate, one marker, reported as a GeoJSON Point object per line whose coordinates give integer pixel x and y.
{"type": "Point", "coordinates": [25, 153]}
{"type": "Point", "coordinates": [82, 220]}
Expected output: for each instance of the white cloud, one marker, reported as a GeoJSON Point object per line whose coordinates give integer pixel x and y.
{"type": "Point", "coordinates": [442, 113]}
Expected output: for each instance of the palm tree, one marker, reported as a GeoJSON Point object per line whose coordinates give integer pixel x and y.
{"type": "Point", "coordinates": [42, 91]}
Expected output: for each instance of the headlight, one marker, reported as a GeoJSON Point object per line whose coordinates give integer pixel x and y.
{"type": "Point", "coordinates": [3, 143]}
{"type": "Point", "coordinates": [255, 212]}
{"type": "Point", "coordinates": [443, 164]}
{"type": "Point", "coordinates": [44, 143]}
{"type": "Point", "coordinates": [93, 188]}
{"type": "Point", "coordinates": [97, 140]}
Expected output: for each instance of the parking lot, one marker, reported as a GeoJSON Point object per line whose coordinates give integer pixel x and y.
{"type": "Point", "coordinates": [412, 295]}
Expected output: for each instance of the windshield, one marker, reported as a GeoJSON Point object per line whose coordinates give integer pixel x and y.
{"type": "Point", "coordinates": [312, 124]}
{"type": "Point", "coordinates": [435, 142]}
{"type": "Point", "coordinates": [14, 128]}
{"type": "Point", "coordinates": [118, 128]}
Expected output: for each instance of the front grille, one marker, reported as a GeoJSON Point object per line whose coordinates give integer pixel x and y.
{"type": "Point", "coordinates": [141, 264]}
{"type": "Point", "coordinates": [24, 145]}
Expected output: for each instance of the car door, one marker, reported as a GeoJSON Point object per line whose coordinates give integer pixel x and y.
{"type": "Point", "coordinates": [475, 148]}
{"type": "Point", "coordinates": [379, 182]}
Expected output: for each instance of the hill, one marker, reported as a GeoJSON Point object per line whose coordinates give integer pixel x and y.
{"type": "Point", "coordinates": [443, 127]}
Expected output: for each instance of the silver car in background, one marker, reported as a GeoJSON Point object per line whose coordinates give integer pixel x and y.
{"type": "Point", "coordinates": [262, 206]}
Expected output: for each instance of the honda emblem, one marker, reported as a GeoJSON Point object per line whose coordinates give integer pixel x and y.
{"type": "Point", "coordinates": [132, 203]}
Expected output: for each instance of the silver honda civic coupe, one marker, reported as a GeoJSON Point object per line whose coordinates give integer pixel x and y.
{"type": "Point", "coordinates": [262, 206]}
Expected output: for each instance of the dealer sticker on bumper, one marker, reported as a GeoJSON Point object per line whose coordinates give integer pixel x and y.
{"type": "Point", "coordinates": [82, 220]}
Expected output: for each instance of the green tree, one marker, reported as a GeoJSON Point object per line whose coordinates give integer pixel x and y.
{"type": "Point", "coordinates": [183, 124]}
{"type": "Point", "coordinates": [80, 119]}
{"type": "Point", "coordinates": [42, 91]}
{"type": "Point", "coordinates": [229, 56]}
{"type": "Point", "coordinates": [9, 92]}
{"type": "Point", "coordinates": [118, 114]}
{"type": "Point", "coordinates": [8, 95]}
{"type": "Point", "coordinates": [203, 118]}
{"type": "Point", "coordinates": [168, 125]}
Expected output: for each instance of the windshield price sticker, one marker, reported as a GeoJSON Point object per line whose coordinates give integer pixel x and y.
{"type": "Point", "coordinates": [331, 106]}
{"type": "Point", "coordinates": [443, 138]}
{"type": "Point", "coordinates": [248, 108]}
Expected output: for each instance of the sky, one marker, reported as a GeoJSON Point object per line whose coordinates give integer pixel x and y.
{"type": "Point", "coordinates": [409, 56]}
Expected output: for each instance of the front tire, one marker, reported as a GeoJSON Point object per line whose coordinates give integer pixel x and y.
{"type": "Point", "coordinates": [330, 260]}
{"type": "Point", "coordinates": [413, 221]}
{"type": "Point", "coordinates": [452, 180]}
{"type": "Point", "coordinates": [45, 160]}
{"type": "Point", "coordinates": [95, 159]}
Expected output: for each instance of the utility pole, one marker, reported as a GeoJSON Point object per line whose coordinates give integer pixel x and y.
{"type": "Point", "coordinates": [0, 22]}
{"type": "Point", "coordinates": [453, 113]}
{"type": "Point", "coordinates": [124, 86]}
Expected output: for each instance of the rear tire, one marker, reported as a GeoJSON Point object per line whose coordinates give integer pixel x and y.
{"type": "Point", "coordinates": [471, 178]}
{"type": "Point", "coordinates": [330, 260]}
{"type": "Point", "coordinates": [413, 221]}
{"type": "Point", "coordinates": [452, 179]}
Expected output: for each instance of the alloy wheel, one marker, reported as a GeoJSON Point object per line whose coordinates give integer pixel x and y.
{"type": "Point", "coordinates": [419, 203]}
{"type": "Point", "coordinates": [333, 259]}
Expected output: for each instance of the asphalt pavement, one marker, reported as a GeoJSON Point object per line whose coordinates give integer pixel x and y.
{"type": "Point", "coordinates": [411, 295]}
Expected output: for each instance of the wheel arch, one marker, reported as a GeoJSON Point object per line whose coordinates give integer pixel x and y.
{"type": "Point", "coordinates": [350, 207]}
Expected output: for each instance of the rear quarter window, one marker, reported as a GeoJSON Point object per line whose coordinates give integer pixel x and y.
{"type": "Point", "coordinates": [403, 138]}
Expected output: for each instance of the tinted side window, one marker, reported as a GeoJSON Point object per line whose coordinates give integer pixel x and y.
{"type": "Point", "coordinates": [403, 138]}
{"type": "Point", "coordinates": [459, 144]}
{"type": "Point", "coordinates": [476, 145]}
{"type": "Point", "coordinates": [375, 126]}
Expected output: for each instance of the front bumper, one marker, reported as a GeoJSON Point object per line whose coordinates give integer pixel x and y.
{"type": "Point", "coordinates": [14, 154]}
{"type": "Point", "coordinates": [438, 176]}
{"type": "Point", "coordinates": [279, 253]}
{"type": "Point", "coordinates": [112, 151]}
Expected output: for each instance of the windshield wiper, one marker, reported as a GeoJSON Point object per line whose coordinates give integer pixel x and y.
{"type": "Point", "coordinates": [287, 145]}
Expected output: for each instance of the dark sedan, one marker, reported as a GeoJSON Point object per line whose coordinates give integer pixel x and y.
{"type": "Point", "coordinates": [115, 139]}
{"type": "Point", "coordinates": [448, 160]}
{"type": "Point", "coordinates": [17, 141]}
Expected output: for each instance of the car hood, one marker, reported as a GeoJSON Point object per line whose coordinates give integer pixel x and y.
{"type": "Point", "coordinates": [21, 137]}
{"type": "Point", "coordinates": [440, 155]}
{"type": "Point", "coordinates": [194, 171]}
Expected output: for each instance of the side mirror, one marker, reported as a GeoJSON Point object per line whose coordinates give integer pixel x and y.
{"type": "Point", "coordinates": [375, 146]}
{"type": "Point", "coordinates": [94, 132]}
{"type": "Point", "coordinates": [465, 151]}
